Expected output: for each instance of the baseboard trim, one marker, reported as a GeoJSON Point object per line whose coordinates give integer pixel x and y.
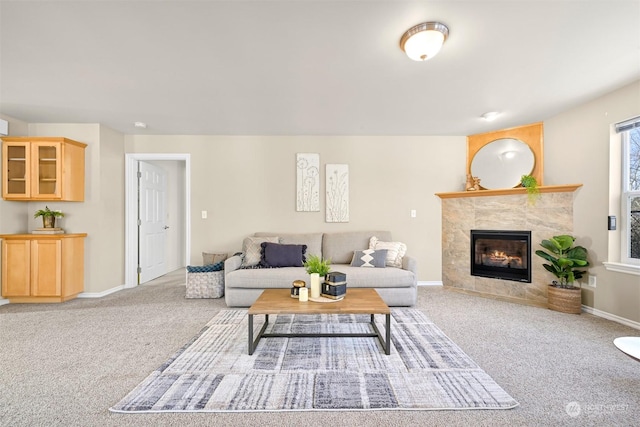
{"type": "Point", "coordinates": [101, 294]}
{"type": "Point", "coordinates": [4, 301]}
{"type": "Point", "coordinates": [430, 283]}
{"type": "Point", "coordinates": [609, 316]}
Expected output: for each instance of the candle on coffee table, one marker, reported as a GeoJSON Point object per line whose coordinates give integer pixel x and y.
{"type": "Point", "coordinates": [304, 295]}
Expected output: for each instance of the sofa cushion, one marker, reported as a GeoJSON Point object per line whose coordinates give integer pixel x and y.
{"type": "Point", "coordinates": [312, 240]}
{"type": "Point", "coordinates": [370, 258]}
{"type": "Point", "coordinates": [280, 255]}
{"type": "Point", "coordinates": [266, 278]}
{"type": "Point", "coordinates": [395, 250]}
{"type": "Point", "coordinates": [339, 247]}
{"type": "Point", "coordinates": [253, 251]}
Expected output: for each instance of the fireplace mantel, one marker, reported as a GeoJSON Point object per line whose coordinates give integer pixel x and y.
{"type": "Point", "coordinates": [510, 191]}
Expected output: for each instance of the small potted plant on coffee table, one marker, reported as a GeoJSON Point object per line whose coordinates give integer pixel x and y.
{"type": "Point", "coordinates": [565, 260]}
{"type": "Point", "coordinates": [315, 264]}
{"type": "Point", "coordinates": [48, 217]}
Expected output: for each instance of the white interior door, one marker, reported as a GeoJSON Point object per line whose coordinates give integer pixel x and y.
{"type": "Point", "coordinates": [152, 230]}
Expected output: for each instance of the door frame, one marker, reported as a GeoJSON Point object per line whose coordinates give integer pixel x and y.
{"type": "Point", "coordinates": [131, 210]}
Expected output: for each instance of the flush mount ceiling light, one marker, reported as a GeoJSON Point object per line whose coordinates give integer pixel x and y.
{"type": "Point", "coordinates": [423, 41]}
{"type": "Point", "coordinates": [490, 116]}
{"type": "Point", "coordinates": [141, 125]}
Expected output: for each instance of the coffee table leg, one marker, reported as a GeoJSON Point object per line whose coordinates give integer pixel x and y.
{"type": "Point", "coordinates": [254, 343]}
{"type": "Point", "coordinates": [388, 334]}
{"type": "Point", "coordinates": [386, 344]}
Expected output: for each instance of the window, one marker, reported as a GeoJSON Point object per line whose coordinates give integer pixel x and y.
{"type": "Point", "coordinates": [630, 194]}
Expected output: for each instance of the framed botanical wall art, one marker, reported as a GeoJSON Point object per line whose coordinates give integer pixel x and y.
{"type": "Point", "coordinates": [337, 193]}
{"type": "Point", "coordinates": [307, 182]}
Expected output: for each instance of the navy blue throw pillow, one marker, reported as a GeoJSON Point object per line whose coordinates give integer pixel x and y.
{"type": "Point", "coordinates": [279, 255]}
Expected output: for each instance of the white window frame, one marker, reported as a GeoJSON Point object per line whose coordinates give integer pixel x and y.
{"type": "Point", "coordinates": [626, 195]}
{"type": "Point", "coordinates": [619, 197]}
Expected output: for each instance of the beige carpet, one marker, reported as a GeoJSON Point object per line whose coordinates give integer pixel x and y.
{"type": "Point", "coordinates": [66, 364]}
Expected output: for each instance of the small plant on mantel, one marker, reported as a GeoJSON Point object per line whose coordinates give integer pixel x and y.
{"type": "Point", "coordinates": [531, 184]}
{"type": "Point", "coordinates": [315, 264]}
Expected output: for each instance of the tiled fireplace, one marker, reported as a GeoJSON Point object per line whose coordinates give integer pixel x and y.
{"type": "Point", "coordinates": [550, 215]}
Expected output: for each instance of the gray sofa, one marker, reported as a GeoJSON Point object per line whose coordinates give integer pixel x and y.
{"type": "Point", "coordinates": [396, 286]}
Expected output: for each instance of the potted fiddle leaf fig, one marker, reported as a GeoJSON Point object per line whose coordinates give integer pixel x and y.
{"type": "Point", "coordinates": [48, 217]}
{"type": "Point", "coordinates": [565, 262]}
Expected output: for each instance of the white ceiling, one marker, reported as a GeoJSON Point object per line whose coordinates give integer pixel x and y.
{"type": "Point", "coordinates": [309, 67]}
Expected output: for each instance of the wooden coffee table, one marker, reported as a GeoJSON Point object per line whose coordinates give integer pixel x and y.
{"type": "Point", "coordinates": [356, 301]}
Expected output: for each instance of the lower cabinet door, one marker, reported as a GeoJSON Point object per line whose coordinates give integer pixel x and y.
{"type": "Point", "coordinates": [16, 281]}
{"type": "Point", "coordinates": [46, 275]}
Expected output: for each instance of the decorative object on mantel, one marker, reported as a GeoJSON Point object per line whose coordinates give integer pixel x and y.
{"type": "Point", "coordinates": [469, 185]}
{"type": "Point", "coordinates": [473, 183]}
{"type": "Point", "coordinates": [48, 216]}
{"type": "Point", "coordinates": [476, 183]}
{"type": "Point", "coordinates": [565, 260]}
{"type": "Point", "coordinates": [531, 184]}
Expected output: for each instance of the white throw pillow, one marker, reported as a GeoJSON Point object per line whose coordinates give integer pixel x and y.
{"type": "Point", "coordinates": [395, 251]}
{"type": "Point", "coordinates": [253, 251]}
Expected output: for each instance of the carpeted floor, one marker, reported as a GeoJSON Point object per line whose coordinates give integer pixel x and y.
{"type": "Point", "coordinates": [66, 364]}
{"type": "Point", "coordinates": [215, 373]}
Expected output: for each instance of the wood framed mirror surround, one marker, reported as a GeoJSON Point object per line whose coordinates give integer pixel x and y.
{"type": "Point", "coordinates": [531, 135]}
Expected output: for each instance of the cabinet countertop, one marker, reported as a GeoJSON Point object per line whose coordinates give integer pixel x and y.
{"type": "Point", "coordinates": [41, 236]}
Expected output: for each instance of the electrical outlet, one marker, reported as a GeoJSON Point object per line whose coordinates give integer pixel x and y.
{"type": "Point", "coordinates": [592, 281]}
{"type": "Point", "coordinates": [204, 214]}
{"type": "Point", "coordinates": [413, 213]}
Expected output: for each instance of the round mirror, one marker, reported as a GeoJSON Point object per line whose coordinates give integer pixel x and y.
{"type": "Point", "coordinates": [501, 163]}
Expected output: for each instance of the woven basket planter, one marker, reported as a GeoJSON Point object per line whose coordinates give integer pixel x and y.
{"type": "Point", "coordinates": [564, 300]}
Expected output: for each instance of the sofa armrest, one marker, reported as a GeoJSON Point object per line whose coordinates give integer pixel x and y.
{"type": "Point", "coordinates": [411, 264]}
{"type": "Point", "coordinates": [232, 263]}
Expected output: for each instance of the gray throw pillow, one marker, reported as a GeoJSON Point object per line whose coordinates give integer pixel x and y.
{"type": "Point", "coordinates": [369, 258]}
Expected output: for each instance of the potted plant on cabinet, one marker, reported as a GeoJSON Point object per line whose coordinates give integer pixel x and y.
{"type": "Point", "coordinates": [565, 260]}
{"type": "Point", "coordinates": [48, 217]}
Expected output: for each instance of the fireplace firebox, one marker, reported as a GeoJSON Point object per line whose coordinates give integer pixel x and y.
{"type": "Point", "coordinates": [501, 254]}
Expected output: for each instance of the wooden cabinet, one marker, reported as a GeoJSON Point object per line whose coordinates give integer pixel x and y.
{"type": "Point", "coordinates": [42, 168]}
{"type": "Point", "coordinates": [42, 268]}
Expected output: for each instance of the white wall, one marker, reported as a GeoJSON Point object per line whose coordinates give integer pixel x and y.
{"type": "Point", "coordinates": [576, 150]}
{"type": "Point", "coordinates": [247, 184]}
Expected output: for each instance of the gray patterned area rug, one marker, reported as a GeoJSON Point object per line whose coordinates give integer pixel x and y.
{"type": "Point", "coordinates": [214, 373]}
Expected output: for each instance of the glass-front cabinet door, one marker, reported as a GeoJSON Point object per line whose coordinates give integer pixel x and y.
{"type": "Point", "coordinates": [15, 170]}
{"type": "Point", "coordinates": [46, 170]}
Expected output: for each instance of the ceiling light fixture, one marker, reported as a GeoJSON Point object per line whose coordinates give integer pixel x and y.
{"type": "Point", "coordinates": [141, 125]}
{"type": "Point", "coordinates": [424, 41]}
{"type": "Point", "coordinates": [490, 116]}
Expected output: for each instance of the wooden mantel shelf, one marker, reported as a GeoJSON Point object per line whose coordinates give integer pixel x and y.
{"type": "Point", "coordinates": [510, 191]}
